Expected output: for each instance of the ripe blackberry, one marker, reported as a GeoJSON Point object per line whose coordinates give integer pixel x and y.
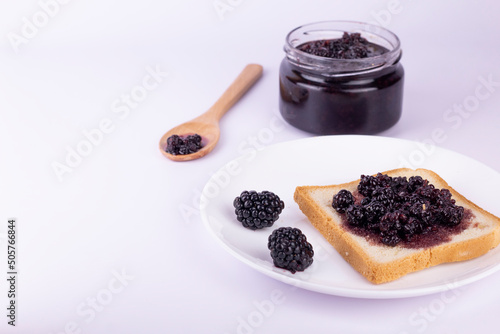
{"type": "Point", "coordinates": [429, 193]}
{"type": "Point", "coordinates": [383, 180]}
{"type": "Point", "coordinates": [384, 196]}
{"type": "Point", "coordinates": [390, 238]}
{"type": "Point", "coordinates": [393, 221]}
{"type": "Point", "coordinates": [349, 46]}
{"type": "Point", "coordinates": [399, 184]}
{"type": "Point", "coordinates": [256, 210]}
{"type": "Point", "coordinates": [412, 227]}
{"type": "Point", "coordinates": [449, 215]}
{"type": "Point", "coordinates": [290, 249]}
{"type": "Point", "coordinates": [415, 182]}
{"type": "Point", "coordinates": [367, 184]}
{"type": "Point", "coordinates": [445, 195]}
{"type": "Point", "coordinates": [178, 145]}
{"type": "Point", "coordinates": [365, 201]}
{"type": "Point", "coordinates": [415, 209]}
{"type": "Point", "coordinates": [374, 211]}
{"type": "Point", "coordinates": [356, 215]}
{"type": "Point", "coordinates": [342, 200]}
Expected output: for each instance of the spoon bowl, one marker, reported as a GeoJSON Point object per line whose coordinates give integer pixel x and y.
{"type": "Point", "coordinates": [209, 133]}
{"type": "Point", "coordinates": [207, 124]}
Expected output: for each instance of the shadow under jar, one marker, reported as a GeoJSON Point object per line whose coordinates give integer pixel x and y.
{"type": "Point", "coordinates": [325, 95]}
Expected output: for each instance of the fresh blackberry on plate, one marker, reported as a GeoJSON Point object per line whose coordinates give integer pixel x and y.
{"type": "Point", "coordinates": [342, 200]}
{"type": "Point", "coordinates": [290, 249]}
{"type": "Point", "coordinates": [256, 210]}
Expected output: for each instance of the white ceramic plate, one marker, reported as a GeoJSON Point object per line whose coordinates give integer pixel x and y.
{"type": "Point", "coordinates": [331, 160]}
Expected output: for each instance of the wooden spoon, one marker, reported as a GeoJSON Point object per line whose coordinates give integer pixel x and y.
{"type": "Point", "coordinates": [207, 124]}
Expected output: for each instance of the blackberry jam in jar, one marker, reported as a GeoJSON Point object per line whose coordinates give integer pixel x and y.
{"type": "Point", "coordinates": [341, 77]}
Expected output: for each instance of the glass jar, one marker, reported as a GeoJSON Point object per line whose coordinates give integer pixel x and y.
{"type": "Point", "coordinates": [323, 95]}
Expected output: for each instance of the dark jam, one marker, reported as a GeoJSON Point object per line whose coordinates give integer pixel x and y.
{"type": "Point", "coordinates": [357, 102]}
{"type": "Point", "coordinates": [410, 213]}
{"type": "Point", "coordinates": [182, 145]}
{"type": "Point", "coordinates": [350, 46]}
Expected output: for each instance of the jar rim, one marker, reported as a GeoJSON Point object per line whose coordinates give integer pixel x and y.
{"type": "Point", "coordinates": [333, 66]}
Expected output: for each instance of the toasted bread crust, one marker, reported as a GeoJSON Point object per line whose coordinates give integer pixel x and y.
{"type": "Point", "coordinates": [480, 237]}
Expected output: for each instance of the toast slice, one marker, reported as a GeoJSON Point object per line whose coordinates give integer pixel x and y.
{"type": "Point", "coordinates": [380, 263]}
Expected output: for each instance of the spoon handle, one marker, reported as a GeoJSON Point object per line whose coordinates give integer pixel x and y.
{"type": "Point", "coordinates": [250, 74]}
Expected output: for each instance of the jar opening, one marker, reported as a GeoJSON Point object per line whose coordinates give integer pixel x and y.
{"type": "Point", "coordinates": [333, 30]}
